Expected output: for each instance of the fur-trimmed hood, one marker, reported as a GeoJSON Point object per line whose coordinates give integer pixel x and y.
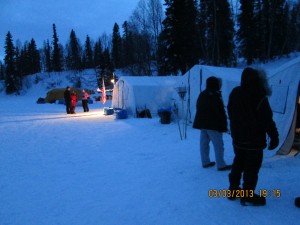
{"type": "Point", "coordinates": [255, 81]}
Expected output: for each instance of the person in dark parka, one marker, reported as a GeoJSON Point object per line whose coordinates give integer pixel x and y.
{"type": "Point", "coordinates": [67, 97]}
{"type": "Point", "coordinates": [251, 119]}
{"type": "Point", "coordinates": [212, 121]}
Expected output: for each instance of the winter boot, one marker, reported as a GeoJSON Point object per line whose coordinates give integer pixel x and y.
{"type": "Point", "coordinates": [209, 165]}
{"type": "Point", "coordinates": [255, 200]}
{"type": "Point", "coordinates": [227, 167]}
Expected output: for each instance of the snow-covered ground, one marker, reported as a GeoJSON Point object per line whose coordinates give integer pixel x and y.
{"type": "Point", "coordinates": [91, 169]}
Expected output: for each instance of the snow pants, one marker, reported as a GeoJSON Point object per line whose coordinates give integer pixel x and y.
{"type": "Point", "coordinates": [216, 137]}
{"type": "Point", "coordinates": [68, 107]}
{"type": "Point", "coordinates": [246, 163]}
{"type": "Point", "coordinates": [85, 105]}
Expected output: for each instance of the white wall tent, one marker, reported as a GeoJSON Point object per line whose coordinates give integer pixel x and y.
{"type": "Point", "coordinates": [137, 93]}
{"type": "Point", "coordinates": [285, 93]}
{"type": "Point", "coordinates": [197, 76]}
{"type": "Point", "coordinates": [160, 92]}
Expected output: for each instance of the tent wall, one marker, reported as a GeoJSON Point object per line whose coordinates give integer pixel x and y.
{"type": "Point", "coordinates": [154, 92]}
{"type": "Point", "coordinates": [138, 93]}
{"type": "Point", "coordinates": [198, 75]}
{"type": "Point", "coordinates": [285, 83]}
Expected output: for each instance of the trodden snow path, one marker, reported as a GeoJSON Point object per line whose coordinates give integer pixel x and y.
{"type": "Point", "coordinates": [91, 169]}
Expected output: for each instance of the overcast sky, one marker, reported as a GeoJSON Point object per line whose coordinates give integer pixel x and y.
{"type": "Point", "coordinates": [27, 19]}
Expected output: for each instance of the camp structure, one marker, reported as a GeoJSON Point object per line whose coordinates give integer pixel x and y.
{"type": "Point", "coordinates": [58, 94]}
{"type": "Point", "coordinates": [135, 93]}
{"type": "Point", "coordinates": [284, 82]}
{"type": "Point", "coordinates": [194, 81]}
{"type": "Point", "coordinates": [139, 93]}
{"type": "Point", "coordinates": [285, 101]}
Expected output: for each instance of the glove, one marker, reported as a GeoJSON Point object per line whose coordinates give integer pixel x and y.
{"type": "Point", "coordinates": [273, 143]}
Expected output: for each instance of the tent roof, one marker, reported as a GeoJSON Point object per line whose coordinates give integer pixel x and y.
{"type": "Point", "coordinates": [149, 81]}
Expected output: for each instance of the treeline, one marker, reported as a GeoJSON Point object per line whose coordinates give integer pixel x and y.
{"type": "Point", "coordinates": [189, 32]}
{"type": "Point", "coordinates": [219, 33]}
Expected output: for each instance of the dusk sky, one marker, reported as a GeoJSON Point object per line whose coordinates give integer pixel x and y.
{"type": "Point", "coordinates": [27, 19]}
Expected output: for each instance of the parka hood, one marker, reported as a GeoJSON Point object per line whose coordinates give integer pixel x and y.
{"type": "Point", "coordinates": [250, 79]}
{"type": "Point", "coordinates": [213, 83]}
{"type": "Point", "coordinates": [255, 81]}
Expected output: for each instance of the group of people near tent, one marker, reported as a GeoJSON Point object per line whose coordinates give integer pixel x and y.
{"type": "Point", "coordinates": [251, 121]}
{"type": "Point", "coordinates": [71, 100]}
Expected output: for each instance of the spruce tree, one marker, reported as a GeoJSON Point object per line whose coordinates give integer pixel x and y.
{"type": "Point", "coordinates": [284, 38]}
{"type": "Point", "coordinates": [217, 32]}
{"type": "Point", "coordinates": [106, 66]}
{"type": "Point", "coordinates": [116, 46]}
{"type": "Point", "coordinates": [128, 46]}
{"type": "Point", "coordinates": [271, 21]}
{"type": "Point", "coordinates": [73, 58]}
{"type": "Point", "coordinates": [279, 30]}
{"type": "Point", "coordinates": [47, 53]}
{"type": "Point", "coordinates": [191, 36]}
{"type": "Point", "coordinates": [88, 54]}
{"type": "Point", "coordinates": [163, 68]}
{"type": "Point", "coordinates": [246, 33]}
{"type": "Point", "coordinates": [2, 71]}
{"type": "Point", "coordinates": [20, 60]}
{"type": "Point", "coordinates": [226, 33]}
{"type": "Point", "coordinates": [34, 58]}
{"type": "Point", "coordinates": [260, 30]}
{"type": "Point", "coordinates": [56, 54]}
{"type": "Point", "coordinates": [11, 80]}
{"type": "Point", "coordinates": [98, 58]}
{"type": "Point", "coordinates": [294, 28]}
{"type": "Point", "coordinates": [204, 20]}
{"type": "Point", "coordinates": [180, 36]}
{"type": "Point", "coordinates": [97, 54]}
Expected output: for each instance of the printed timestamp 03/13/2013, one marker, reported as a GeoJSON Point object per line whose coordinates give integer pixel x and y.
{"type": "Point", "coordinates": [226, 193]}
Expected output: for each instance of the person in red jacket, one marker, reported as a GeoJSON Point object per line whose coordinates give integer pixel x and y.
{"type": "Point", "coordinates": [73, 102]}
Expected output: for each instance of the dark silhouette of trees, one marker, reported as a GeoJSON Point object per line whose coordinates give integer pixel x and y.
{"type": "Point", "coordinates": [57, 53]}
{"type": "Point", "coordinates": [179, 48]}
{"type": "Point", "coordinates": [127, 45]}
{"type": "Point", "coordinates": [246, 33]}
{"type": "Point", "coordinates": [191, 32]}
{"type": "Point", "coordinates": [267, 29]}
{"type": "Point", "coordinates": [12, 81]}
{"type": "Point", "coordinates": [98, 52]}
{"type": "Point", "coordinates": [2, 71]}
{"type": "Point", "coordinates": [294, 32]}
{"type": "Point", "coordinates": [34, 58]}
{"type": "Point", "coordinates": [73, 57]}
{"type": "Point", "coordinates": [116, 51]}
{"type": "Point", "coordinates": [216, 33]}
{"type": "Point", "coordinates": [88, 61]}
{"type": "Point", "coordinates": [27, 59]}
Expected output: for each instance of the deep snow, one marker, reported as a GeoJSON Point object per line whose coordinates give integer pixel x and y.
{"type": "Point", "coordinates": [91, 169]}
